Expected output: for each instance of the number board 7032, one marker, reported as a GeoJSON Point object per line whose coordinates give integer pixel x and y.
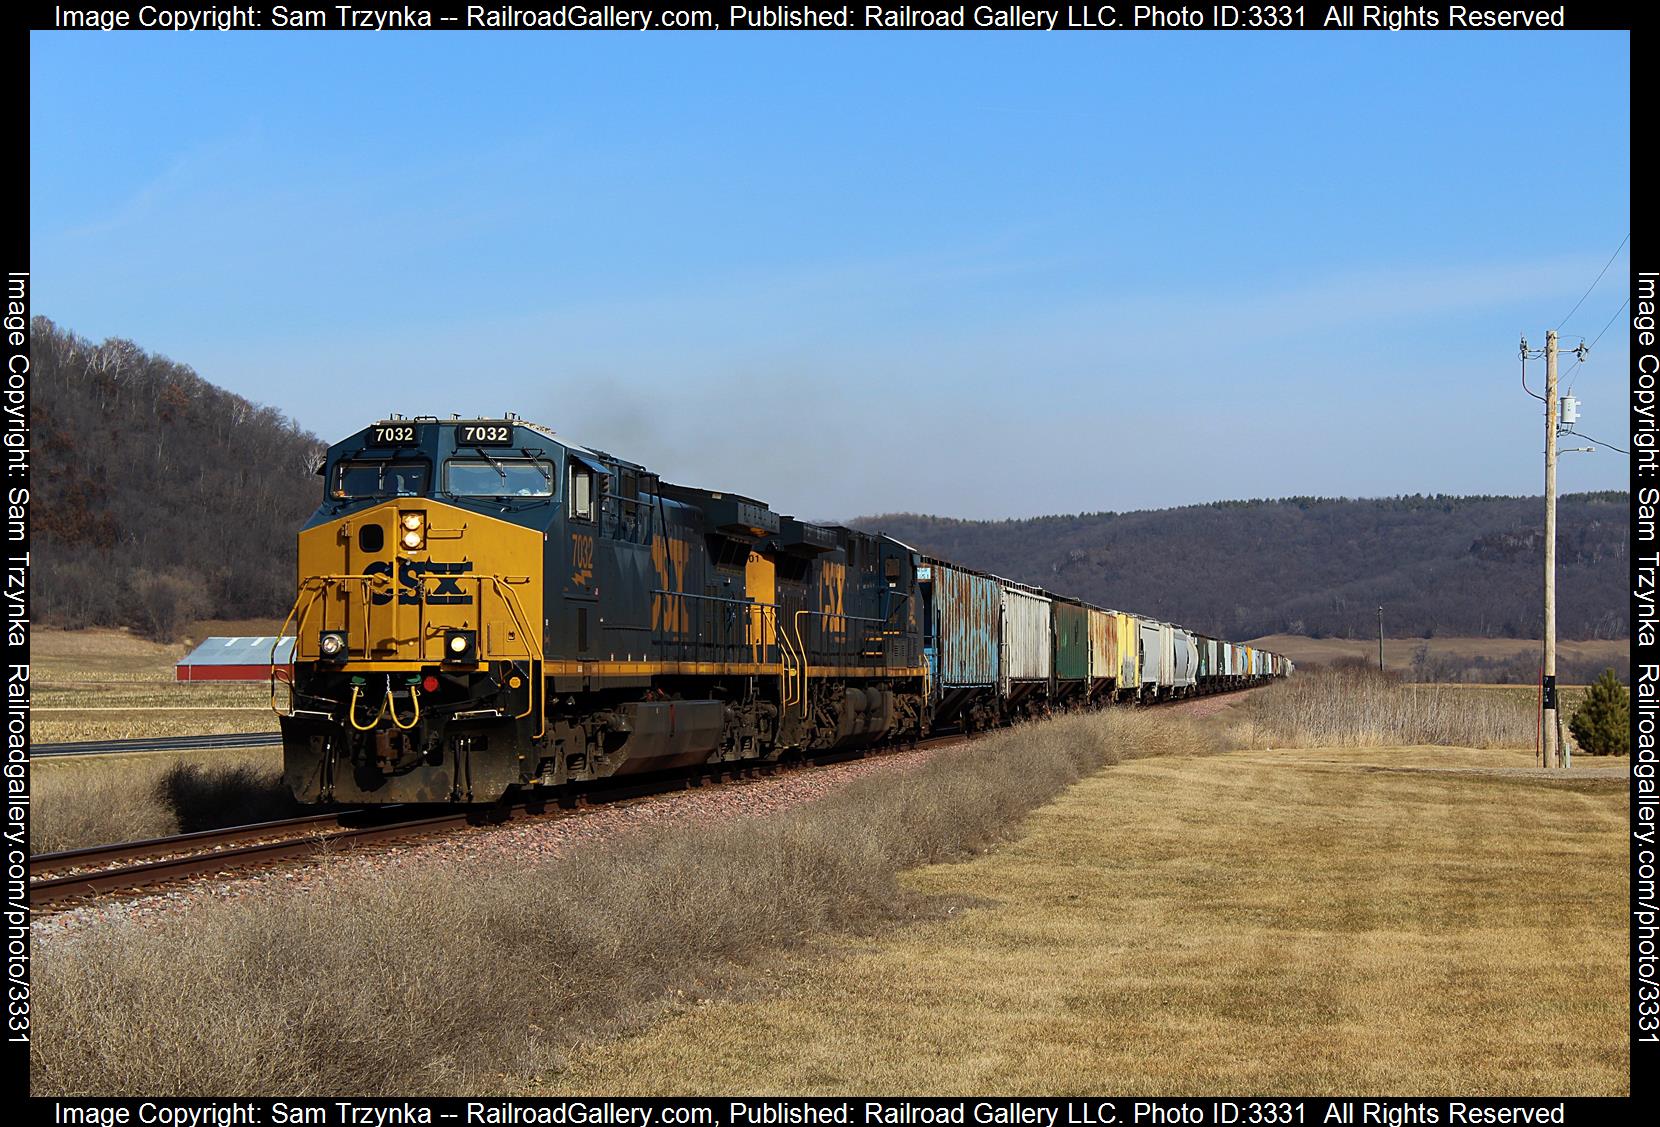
{"type": "Point", "coordinates": [394, 434]}
{"type": "Point", "coordinates": [484, 434]}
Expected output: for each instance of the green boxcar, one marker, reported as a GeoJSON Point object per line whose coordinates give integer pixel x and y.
{"type": "Point", "coordinates": [1071, 641]}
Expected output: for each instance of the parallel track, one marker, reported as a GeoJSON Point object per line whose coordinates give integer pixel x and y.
{"type": "Point", "coordinates": [158, 743]}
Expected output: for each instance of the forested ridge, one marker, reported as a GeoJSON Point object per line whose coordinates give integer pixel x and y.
{"type": "Point", "coordinates": [161, 498]}
{"type": "Point", "coordinates": [1318, 566]}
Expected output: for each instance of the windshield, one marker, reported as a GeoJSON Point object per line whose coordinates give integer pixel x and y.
{"type": "Point", "coordinates": [497, 477]}
{"type": "Point", "coordinates": [380, 479]}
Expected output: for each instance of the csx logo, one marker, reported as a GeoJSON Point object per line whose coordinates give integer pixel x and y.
{"type": "Point", "coordinates": [446, 592]}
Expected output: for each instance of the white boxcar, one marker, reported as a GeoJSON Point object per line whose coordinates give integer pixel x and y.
{"type": "Point", "coordinates": [1028, 653]}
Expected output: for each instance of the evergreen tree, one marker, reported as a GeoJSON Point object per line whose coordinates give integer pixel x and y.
{"type": "Point", "coordinates": [1602, 723]}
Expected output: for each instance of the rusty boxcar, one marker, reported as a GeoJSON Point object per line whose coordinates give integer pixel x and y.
{"type": "Point", "coordinates": [962, 620]}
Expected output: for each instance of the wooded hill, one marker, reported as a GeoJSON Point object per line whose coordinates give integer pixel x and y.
{"type": "Point", "coordinates": [159, 498]}
{"type": "Point", "coordinates": [1319, 566]}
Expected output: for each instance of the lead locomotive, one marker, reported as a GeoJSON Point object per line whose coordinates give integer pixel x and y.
{"type": "Point", "coordinates": [484, 606]}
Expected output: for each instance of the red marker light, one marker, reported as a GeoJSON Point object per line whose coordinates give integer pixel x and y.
{"type": "Point", "coordinates": [429, 683]}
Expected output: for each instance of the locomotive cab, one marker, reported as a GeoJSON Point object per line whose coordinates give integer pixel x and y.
{"type": "Point", "coordinates": [419, 612]}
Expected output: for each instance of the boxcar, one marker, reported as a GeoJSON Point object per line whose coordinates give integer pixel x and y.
{"type": "Point", "coordinates": [1104, 669]}
{"type": "Point", "coordinates": [1071, 624]}
{"type": "Point", "coordinates": [1027, 639]}
{"type": "Point", "coordinates": [1129, 653]}
{"type": "Point", "coordinates": [962, 617]}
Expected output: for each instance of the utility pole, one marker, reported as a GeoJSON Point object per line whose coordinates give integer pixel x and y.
{"type": "Point", "coordinates": [1548, 691]}
{"type": "Point", "coordinates": [1380, 639]}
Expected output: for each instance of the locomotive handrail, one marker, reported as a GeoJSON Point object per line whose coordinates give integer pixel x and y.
{"type": "Point", "coordinates": [731, 604]}
{"type": "Point", "coordinates": [533, 651]}
{"type": "Point", "coordinates": [796, 660]}
{"type": "Point", "coordinates": [316, 585]}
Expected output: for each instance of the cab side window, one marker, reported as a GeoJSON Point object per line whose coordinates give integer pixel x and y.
{"type": "Point", "coordinates": [582, 492]}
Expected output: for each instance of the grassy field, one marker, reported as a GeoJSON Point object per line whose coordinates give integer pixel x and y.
{"type": "Point", "coordinates": [106, 684]}
{"type": "Point", "coordinates": [1357, 707]}
{"type": "Point", "coordinates": [1327, 920]}
{"type": "Point", "coordinates": [1398, 653]}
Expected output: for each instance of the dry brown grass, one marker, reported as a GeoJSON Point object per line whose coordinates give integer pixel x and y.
{"type": "Point", "coordinates": [1250, 923]}
{"type": "Point", "coordinates": [439, 982]}
{"type": "Point", "coordinates": [82, 801]}
{"type": "Point", "coordinates": [1399, 652]}
{"type": "Point", "coordinates": [99, 655]}
{"type": "Point", "coordinates": [1349, 707]}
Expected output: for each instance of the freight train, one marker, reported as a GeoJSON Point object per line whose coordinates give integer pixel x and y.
{"type": "Point", "coordinates": [485, 608]}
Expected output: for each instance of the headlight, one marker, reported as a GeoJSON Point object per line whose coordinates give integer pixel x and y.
{"type": "Point", "coordinates": [332, 645]}
{"type": "Point", "coordinates": [460, 645]}
{"type": "Point", "coordinates": [414, 531]}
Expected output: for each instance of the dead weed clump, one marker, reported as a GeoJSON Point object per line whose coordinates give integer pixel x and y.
{"type": "Point", "coordinates": [442, 981]}
{"type": "Point", "coordinates": [82, 801]}
{"type": "Point", "coordinates": [207, 797]}
{"type": "Point", "coordinates": [1355, 707]}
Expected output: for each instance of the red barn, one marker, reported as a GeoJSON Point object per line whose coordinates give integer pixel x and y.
{"type": "Point", "coordinates": [236, 659]}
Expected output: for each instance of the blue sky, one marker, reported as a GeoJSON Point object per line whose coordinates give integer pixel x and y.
{"type": "Point", "coordinates": [981, 274]}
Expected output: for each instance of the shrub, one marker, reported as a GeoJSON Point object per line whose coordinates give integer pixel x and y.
{"type": "Point", "coordinates": [1602, 723]}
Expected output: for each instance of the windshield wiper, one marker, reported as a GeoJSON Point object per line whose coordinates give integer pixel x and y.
{"type": "Point", "coordinates": [499, 468]}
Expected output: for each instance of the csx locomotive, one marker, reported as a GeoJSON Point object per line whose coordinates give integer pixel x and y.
{"type": "Point", "coordinates": [486, 607]}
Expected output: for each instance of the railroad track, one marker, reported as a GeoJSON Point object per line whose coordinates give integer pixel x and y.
{"type": "Point", "coordinates": [158, 743]}
{"type": "Point", "coordinates": [59, 880]}
{"type": "Point", "coordinates": [80, 874]}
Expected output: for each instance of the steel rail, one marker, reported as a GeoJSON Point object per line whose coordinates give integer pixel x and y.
{"type": "Point", "coordinates": [157, 743]}
{"type": "Point", "coordinates": [104, 870]}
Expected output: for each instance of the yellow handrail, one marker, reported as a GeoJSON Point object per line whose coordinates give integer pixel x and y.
{"type": "Point", "coordinates": [801, 672]}
{"type": "Point", "coordinates": [316, 586]}
{"type": "Point", "coordinates": [533, 652]}
{"type": "Point", "coordinates": [791, 658]}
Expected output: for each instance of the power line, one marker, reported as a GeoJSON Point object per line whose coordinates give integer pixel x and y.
{"type": "Point", "coordinates": [1598, 278]}
{"type": "Point", "coordinates": [1599, 442]}
{"type": "Point", "coordinates": [1617, 312]}
{"type": "Point", "coordinates": [1525, 388]}
{"type": "Point", "coordinates": [1587, 348]}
